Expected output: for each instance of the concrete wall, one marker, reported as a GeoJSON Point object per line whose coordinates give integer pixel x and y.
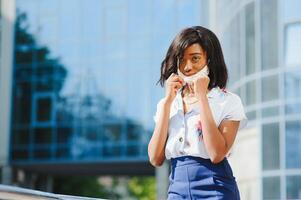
{"type": "Point", "coordinates": [6, 68]}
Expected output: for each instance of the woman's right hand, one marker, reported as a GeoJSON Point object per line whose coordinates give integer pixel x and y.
{"type": "Point", "coordinates": [173, 84]}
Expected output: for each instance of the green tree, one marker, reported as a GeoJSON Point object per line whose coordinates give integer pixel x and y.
{"type": "Point", "coordinates": [82, 186]}
{"type": "Point", "coordinates": [142, 188]}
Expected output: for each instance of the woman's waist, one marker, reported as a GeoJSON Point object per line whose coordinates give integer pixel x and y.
{"type": "Point", "coordinates": [194, 160]}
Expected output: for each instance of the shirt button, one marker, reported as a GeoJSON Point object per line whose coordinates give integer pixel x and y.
{"type": "Point", "coordinates": [181, 139]}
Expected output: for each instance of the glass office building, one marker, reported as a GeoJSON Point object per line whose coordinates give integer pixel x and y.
{"type": "Point", "coordinates": [261, 41]}
{"type": "Point", "coordinates": [85, 76]}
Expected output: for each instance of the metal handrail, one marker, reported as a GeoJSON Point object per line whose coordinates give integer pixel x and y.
{"type": "Point", "coordinates": [8, 192]}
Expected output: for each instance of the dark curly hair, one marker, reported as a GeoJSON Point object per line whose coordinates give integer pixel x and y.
{"type": "Point", "coordinates": [218, 73]}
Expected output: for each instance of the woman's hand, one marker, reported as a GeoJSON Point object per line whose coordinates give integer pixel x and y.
{"type": "Point", "coordinates": [173, 84]}
{"type": "Point", "coordinates": [200, 86]}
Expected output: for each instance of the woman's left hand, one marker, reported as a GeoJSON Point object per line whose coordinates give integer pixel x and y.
{"type": "Point", "coordinates": [200, 86]}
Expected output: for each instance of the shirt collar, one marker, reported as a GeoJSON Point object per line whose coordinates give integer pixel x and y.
{"type": "Point", "coordinates": [211, 94]}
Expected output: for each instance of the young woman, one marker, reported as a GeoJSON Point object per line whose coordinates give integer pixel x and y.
{"type": "Point", "coordinates": [197, 120]}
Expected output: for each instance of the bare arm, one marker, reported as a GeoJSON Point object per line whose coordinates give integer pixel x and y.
{"type": "Point", "coordinates": [218, 141]}
{"type": "Point", "coordinates": [156, 146]}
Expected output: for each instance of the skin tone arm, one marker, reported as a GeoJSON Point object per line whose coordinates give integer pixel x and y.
{"type": "Point", "coordinates": [156, 146]}
{"type": "Point", "coordinates": [218, 141]}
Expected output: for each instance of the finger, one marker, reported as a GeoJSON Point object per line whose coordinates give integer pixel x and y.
{"type": "Point", "coordinates": [172, 75]}
{"type": "Point", "coordinates": [177, 85]}
{"type": "Point", "coordinates": [181, 79]}
{"type": "Point", "coordinates": [177, 79]}
{"type": "Point", "coordinates": [174, 84]}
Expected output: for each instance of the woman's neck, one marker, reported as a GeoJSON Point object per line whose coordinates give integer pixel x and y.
{"type": "Point", "coordinates": [187, 90]}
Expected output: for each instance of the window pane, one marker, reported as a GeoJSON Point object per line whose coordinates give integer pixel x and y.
{"type": "Point", "coordinates": [44, 108]}
{"type": "Point", "coordinates": [270, 111]}
{"type": "Point", "coordinates": [42, 135]}
{"type": "Point", "coordinates": [292, 48]}
{"type": "Point", "coordinates": [271, 188]}
{"type": "Point", "coordinates": [20, 137]}
{"type": "Point", "coordinates": [132, 150]}
{"type": "Point", "coordinates": [115, 21]}
{"type": "Point", "coordinates": [232, 53]}
{"type": "Point", "coordinates": [20, 154]}
{"type": "Point", "coordinates": [22, 101]}
{"type": "Point", "coordinates": [269, 88]}
{"type": "Point", "coordinates": [251, 93]}
{"type": "Point", "coordinates": [194, 13]}
{"type": "Point", "coordinates": [143, 21]}
{"type": "Point", "coordinates": [250, 39]}
{"type": "Point", "coordinates": [270, 146]}
{"type": "Point", "coordinates": [251, 115]}
{"type": "Point", "coordinates": [112, 133]}
{"type": "Point", "coordinates": [292, 84]}
{"type": "Point", "coordinates": [63, 135]}
{"type": "Point", "coordinates": [293, 108]}
{"type": "Point", "coordinates": [293, 187]}
{"type": "Point", "coordinates": [42, 153]}
{"type": "Point", "coordinates": [293, 144]}
{"type": "Point", "coordinates": [292, 9]}
{"type": "Point", "coordinates": [269, 34]}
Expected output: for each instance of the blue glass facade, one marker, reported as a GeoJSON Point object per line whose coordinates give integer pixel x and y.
{"type": "Point", "coordinates": [85, 76]}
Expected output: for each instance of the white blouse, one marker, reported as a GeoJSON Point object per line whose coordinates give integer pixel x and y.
{"type": "Point", "coordinates": [185, 131]}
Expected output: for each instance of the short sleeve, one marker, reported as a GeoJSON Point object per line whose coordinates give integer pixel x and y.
{"type": "Point", "coordinates": [234, 110]}
{"type": "Point", "coordinates": [158, 111]}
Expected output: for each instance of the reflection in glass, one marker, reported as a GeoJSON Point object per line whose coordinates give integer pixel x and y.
{"type": "Point", "coordinates": [250, 38]}
{"type": "Point", "coordinates": [22, 98]}
{"type": "Point", "coordinates": [21, 137]}
{"type": "Point", "coordinates": [232, 57]}
{"type": "Point", "coordinates": [20, 154]}
{"type": "Point", "coordinates": [194, 11]}
{"type": "Point", "coordinates": [270, 111]}
{"type": "Point", "coordinates": [43, 109]}
{"type": "Point", "coordinates": [251, 115]}
{"type": "Point", "coordinates": [271, 187]}
{"type": "Point", "coordinates": [293, 187]}
{"type": "Point", "coordinates": [291, 10]}
{"type": "Point", "coordinates": [42, 153]}
{"type": "Point", "coordinates": [43, 135]}
{"type": "Point", "coordinates": [84, 76]}
{"type": "Point", "coordinates": [269, 34]}
{"type": "Point", "coordinates": [112, 132]}
{"type": "Point", "coordinates": [292, 81]}
{"type": "Point", "coordinates": [270, 90]}
{"type": "Point", "coordinates": [294, 108]}
{"type": "Point", "coordinates": [292, 48]}
{"type": "Point", "coordinates": [112, 151]}
{"type": "Point", "coordinates": [270, 146]}
{"type": "Point", "coordinates": [293, 144]}
{"type": "Point", "coordinates": [251, 92]}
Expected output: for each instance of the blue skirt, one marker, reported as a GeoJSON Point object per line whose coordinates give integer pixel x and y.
{"type": "Point", "coordinates": [198, 178]}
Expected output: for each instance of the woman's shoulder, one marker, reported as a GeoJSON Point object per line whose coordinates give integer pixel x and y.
{"type": "Point", "coordinates": [228, 97]}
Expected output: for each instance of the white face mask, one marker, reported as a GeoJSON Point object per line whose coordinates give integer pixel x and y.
{"type": "Point", "coordinates": [190, 79]}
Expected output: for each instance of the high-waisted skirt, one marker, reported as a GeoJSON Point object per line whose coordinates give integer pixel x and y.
{"type": "Point", "coordinates": [198, 178]}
